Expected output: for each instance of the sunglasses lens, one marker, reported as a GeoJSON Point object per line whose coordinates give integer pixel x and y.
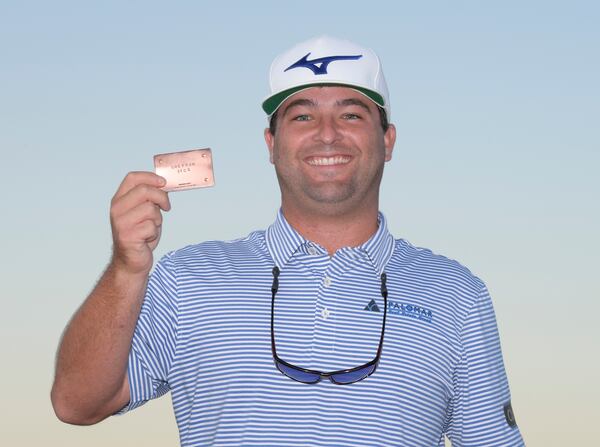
{"type": "Point", "coordinates": [299, 375]}
{"type": "Point", "coordinates": [354, 376]}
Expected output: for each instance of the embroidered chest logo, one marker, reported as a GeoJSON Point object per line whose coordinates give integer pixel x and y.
{"type": "Point", "coordinates": [403, 309]}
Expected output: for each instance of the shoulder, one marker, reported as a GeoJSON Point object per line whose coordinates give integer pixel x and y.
{"type": "Point", "coordinates": [438, 277]}
{"type": "Point", "coordinates": [434, 265]}
{"type": "Point", "coordinates": [214, 255]}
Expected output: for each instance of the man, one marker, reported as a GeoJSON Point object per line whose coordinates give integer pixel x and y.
{"type": "Point", "coordinates": [321, 330]}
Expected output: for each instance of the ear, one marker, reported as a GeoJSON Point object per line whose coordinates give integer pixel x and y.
{"type": "Point", "coordinates": [389, 138]}
{"type": "Point", "coordinates": [270, 140]}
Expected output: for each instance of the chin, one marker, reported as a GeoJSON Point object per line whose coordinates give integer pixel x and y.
{"type": "Point", "coordinates": [332, 196]}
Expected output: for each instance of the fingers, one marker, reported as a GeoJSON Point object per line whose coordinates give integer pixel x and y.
{"type": "Point", "coordinates": [139, 187]}
{"type": "Point", "coordinates": [147, 231]}
{"type": "Point", "coordinates": [145, 211]}
{"type": "Point", "coordinates": [138, 195]}
{"type": "Point", "coordinates": [135, 178]}
{"type": "Point", "coordinates": [135, 238]}
{"type": "Point", "coordinates": [136, 219]}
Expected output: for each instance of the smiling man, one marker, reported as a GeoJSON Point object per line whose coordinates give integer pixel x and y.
{"type": "Point", "coordinates": [321, 330]}
{"type": "Point", "coordinates": [329, 148]}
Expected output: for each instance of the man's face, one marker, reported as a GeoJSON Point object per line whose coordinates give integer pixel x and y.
{"type": "Point", "coordinates": [329, 150]}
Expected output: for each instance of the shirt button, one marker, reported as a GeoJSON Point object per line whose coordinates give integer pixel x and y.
{"type": "Point", "coordinates": [325, 313]}
{"type": "Point", "coordinates": [327, 281]}
{"type": "Point", "coordinates": [312, 250]}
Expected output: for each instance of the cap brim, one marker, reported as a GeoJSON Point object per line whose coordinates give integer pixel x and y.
{"type": "Point", "coordinates": [272, 103]}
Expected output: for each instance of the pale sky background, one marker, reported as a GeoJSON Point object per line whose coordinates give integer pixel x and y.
{"type": "Point", "coordinates": [496, 165]}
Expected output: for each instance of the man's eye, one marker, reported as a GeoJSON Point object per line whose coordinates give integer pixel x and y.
{"type": "Point", "coordinates": [302, 118]}
{"type": "Point", "coordinates": [351, 116]}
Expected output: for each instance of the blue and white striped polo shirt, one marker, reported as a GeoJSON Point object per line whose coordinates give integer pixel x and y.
{"type": "Point", "coordinates": [204, 334]}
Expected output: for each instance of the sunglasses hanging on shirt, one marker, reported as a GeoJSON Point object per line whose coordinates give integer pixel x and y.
{"type": "Point", "coordinates": [340, 377]}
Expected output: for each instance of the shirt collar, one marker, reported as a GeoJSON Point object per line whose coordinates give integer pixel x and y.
{"type": "Point", "coordinates": [283, 241]}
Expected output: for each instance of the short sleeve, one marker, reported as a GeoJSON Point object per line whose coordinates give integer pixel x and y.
{"type": "Point", "coordinates": [480, 409]}
{"type": "Point", "coordinates": [154, 340]}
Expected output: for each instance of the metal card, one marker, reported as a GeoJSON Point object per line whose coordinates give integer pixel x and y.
{"type": "Point", "coordinates": [185, 170]}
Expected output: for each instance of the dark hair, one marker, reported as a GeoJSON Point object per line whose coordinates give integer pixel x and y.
{"type": "Point", "coordinates": [382, 116]}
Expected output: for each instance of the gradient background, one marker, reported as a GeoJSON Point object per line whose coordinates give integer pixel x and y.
{"type": "Point", "coordinates": [496, 165]}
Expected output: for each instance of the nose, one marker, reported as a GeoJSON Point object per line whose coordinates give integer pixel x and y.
{"type": "Point", "coordinates": [328, 131]}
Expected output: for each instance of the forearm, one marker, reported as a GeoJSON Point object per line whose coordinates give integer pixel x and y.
{"type": "Point", "coordinates": [91, 369]}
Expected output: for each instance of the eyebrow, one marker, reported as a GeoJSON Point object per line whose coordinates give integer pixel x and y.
{"type": "Point", "coordinates": [299, 102]}
{"type": "Point", "coordinates": [354, 102]}
{"type": "Point", "coordinates": [343, 103]}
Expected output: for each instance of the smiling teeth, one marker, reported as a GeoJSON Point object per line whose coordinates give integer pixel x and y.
{"type": "Point", "coordinates": [326, 161]}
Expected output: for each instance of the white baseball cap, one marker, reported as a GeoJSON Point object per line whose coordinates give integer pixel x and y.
{"type": "Point", "coordinates": [326, 60]}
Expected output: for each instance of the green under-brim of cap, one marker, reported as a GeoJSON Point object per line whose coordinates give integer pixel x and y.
{"type": "Point", "coordinates": [272, 103]}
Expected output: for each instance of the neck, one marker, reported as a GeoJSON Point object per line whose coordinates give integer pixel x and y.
{"type": "Point", "coordinates": [334, 231]}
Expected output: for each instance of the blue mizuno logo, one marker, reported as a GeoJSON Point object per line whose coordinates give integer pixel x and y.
{"type": "Point", "coordinates": [319, 66]}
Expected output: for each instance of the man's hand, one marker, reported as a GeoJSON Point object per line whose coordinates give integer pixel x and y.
{"type": "Point", "coordinates": [136, 220]}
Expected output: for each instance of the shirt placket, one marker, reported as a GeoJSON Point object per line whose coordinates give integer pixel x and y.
{"type": "Point", "coordinates": [325, 319]}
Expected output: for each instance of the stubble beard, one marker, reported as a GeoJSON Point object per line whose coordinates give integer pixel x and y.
{"type": "Point", "coordinates": [329, 198]}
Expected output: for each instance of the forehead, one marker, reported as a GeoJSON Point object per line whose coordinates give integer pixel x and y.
{"type": "Point", "coordinates": [328, 95]}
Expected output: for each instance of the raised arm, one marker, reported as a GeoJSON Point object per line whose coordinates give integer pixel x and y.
{"type": "Point", "coordinates": [90, 382]}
